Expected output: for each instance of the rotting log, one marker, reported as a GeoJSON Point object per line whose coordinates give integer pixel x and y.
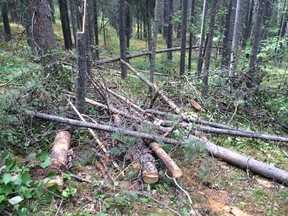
{"type": "Point", "coordinates": [154, 88]}
{"type": "Point", "coordinates": [227, 155]}
{"type": "Point", "coordinates": [59, 157]}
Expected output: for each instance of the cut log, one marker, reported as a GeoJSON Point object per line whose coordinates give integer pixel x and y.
{"type": "Point", "coordinates": [196, 105]}
{"type": "Point", "coordinates": [154, 88]}
{"type": "Point", "coordinates": [59, 157]}
{"type": "Point", "coordinates": [167, 160]}
{"type": "Point", "coordinates": [149, 171]}
{"type": "Point", "coordinates": [227, 155]}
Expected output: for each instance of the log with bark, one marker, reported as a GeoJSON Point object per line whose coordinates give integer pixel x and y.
{"type": "Point", "coordinates": [59, 157]}
{"type": "Point", "coordinates": [145, 52]}
{"type": "Point", "coordinates": [227, 155]}
{"type": "Point", "coordinates": [216, 127]}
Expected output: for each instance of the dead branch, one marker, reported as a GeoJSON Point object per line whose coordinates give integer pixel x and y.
{"type": "Point", "coordinates": [100, 144]}
{"type": "Point", "coordinates": [227, 155]}
{"type": "Point", "coordinates": [154, 88]}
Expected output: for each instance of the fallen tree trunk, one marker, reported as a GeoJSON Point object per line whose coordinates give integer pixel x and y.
{"type": "Point", "coordinates": [59, 157]}
{"type": "Point", "coordinates": [231, 132]}
{"type": "Point", "coordinates": [188, 119]}
{"type": "Point", "coordinates": [146, 52]}
{"type": "Point", "coordinates": [240, 133]}
{"type": "Point", "coordinates": [218, 128]}
{"type": "Point", "coordinates": [227, 155]}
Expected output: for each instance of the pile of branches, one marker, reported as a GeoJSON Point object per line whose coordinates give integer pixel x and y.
{"type": "Point", "coordinates": [128, 119]}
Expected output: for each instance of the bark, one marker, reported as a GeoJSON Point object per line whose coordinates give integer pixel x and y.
{"type": "Point", "coordinates": [248, 22]}
{"type": "Point", "coordinates": [114, 110]}
{"type": "Point", "coordinates": [59, 157]}
{"type": "Point", "coordinates": [142, 54]}
{"type": "Point", "coordinates": [209, 48]}
{"type": "Point", "coordinates": [234, 158]}
{"type": "Point", "coordinates": [183, 35]}
{"type": "Point", "coordinates": [240, 133]}
{"type": "Point", "coordinates": [236, 37]}
{"type": "Point", "coordinates": [168, 27]}
{"type": "Point", "coordinates": [65, 24]}
{"type": "Point", "coordinates": [95, 24]}
{"type": "Point", "coordinates": [82, 69]}
{"type": "Point", "coordinates": [189, 119]}
{"type": "Point", "coordinates": [121, 19]}
{"type": "Point", "coordinates": [6, 24]}
{"type": "Point", "coordinates": [128, 26]}
{"type": "Point", "coordinates": [43, 35]}
{"type": "Point", "coordinates": [191, 35]}
{"type": "Point", "coordinates": [73, 18]}
{"type": "Point", "coordinates": [228, 35]}
{"type": "Point", "coordinates": [154, 43]}
{"type": "Point", "coordinates": [202, 37]}
{"type": "Point", "coordinates": [256, 34]}
{"type": "Point", "coordinates": [154, 88]}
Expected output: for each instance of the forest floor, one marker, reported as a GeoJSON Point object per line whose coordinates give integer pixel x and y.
{"type": "Point", "coordinates": [215, 187]}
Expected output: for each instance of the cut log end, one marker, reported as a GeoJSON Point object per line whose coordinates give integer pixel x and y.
{"type": "Point", "coordinates": [150, 173]}
{"type": "Point", "coordinates": [59, 181]}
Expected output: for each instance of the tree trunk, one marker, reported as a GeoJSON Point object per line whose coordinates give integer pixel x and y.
{"type": "Point", "coordinates": [65, 24]}
{"type": "Point", "coordinates": [209, 48]}
{"type": "Point", "coordinates": [228, 35]}
{"type": "Point", "coordinates": [168, 27]}
{"type": "Point", "coordinates": [183, 35]}
{"type": "Point", "coordinates": [154, 42]}
{"type": "Point", "coordinates": [128, 26]}
{"type": "Point", "coordinates": [256, 33]}
{"type": "Point", "coordinates": [202, 37]}
{"type": "Point", "coordinates": [43, 34]}
{"type": "Point", "coordinates": [82, 62]}
{"type": "Point", "coordinates": [236, 35]}
{"type": "Point", "coordinates": [95, 24]}
{"type": "Point", "coordinates": [6, 24]}
{"type": "Point", "coordinates": [73, 18]}
{"type": "Point", "coordinates": [52, 9]}
{"type": "Point", "coordinates": [191, 35]}
{"type": "Point", "coordinates": [248, 22]}
{"type": "Point", "coordinates": [121, 19]}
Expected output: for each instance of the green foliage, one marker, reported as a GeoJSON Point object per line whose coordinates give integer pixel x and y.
{"type": "Point", "coordinates": [19, 193]}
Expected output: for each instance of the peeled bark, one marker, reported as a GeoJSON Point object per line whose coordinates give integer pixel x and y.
{"type": "Point", "coordinates": [59, 157]}
{"type": "Point", "coordinates": [166, 159]}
